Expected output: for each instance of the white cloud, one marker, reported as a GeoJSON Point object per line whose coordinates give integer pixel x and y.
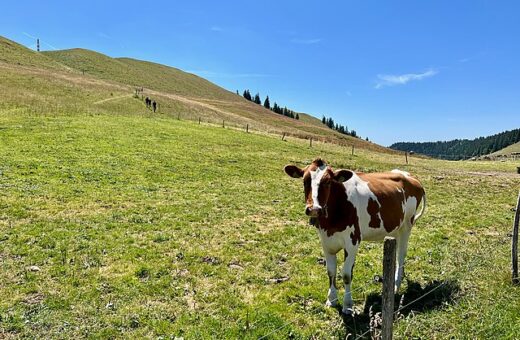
{"type": "Point", "coordinates": [104, 35]}
{"type": "Point", "coordinates": [306, 41]}
{"type": "Point", "coordinates": [392, 80]}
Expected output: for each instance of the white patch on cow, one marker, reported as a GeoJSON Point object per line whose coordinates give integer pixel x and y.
{"type": "Point", "coordinates": [404, 173]}
{"type": "Point", "coordinates": [358, 193]}
{"type": "Point", "coordinates": [410, 208]}
{"type": "Point", "coordinates": [315, 184]}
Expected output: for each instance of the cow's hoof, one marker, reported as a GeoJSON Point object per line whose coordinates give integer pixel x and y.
{"type": "Point", "coordinates": [348, 311]}
{"type": "Point", "coordinates": [331, 303]}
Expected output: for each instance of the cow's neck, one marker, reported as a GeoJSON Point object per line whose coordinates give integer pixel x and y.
{"type": "Point", "coordinates": [339, 210]}
{"type": "Point", "coordinates": [337, 199]}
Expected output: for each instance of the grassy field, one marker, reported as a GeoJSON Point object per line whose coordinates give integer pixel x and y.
{"type": "Point", "coordinates": [149, 226]}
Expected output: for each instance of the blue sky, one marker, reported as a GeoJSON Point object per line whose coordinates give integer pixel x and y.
{"type": "Point", "coordinates": [392, 70]}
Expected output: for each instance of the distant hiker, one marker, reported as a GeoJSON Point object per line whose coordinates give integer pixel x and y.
{"type": "Point", "coordinates": [148, 102]}
{"type": "Point", "coordinates": [154, 105]}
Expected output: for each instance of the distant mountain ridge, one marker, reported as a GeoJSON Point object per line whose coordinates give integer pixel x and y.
{"type": "Point", "coordinates": [462, 148]}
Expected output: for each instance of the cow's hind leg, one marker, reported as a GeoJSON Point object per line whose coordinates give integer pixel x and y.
{"type": "Point", "coordinates": [332, 295]}
{"type": "Point", "coordinates": [402, 247]}
{"type": "Point", "coordinates": [346, 274]}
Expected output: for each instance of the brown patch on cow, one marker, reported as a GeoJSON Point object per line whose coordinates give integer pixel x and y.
{"type": "Point", "coordinates": [373, 210]}
{"type": "Point", "coordinates": [341, 213]}
{"type": "Point", "coordinates": [385, 187]}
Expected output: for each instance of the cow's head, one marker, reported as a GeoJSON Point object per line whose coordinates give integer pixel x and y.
{"type": "Point", "coordinates": [317, 180]}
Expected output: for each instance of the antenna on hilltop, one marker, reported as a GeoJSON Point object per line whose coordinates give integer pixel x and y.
{"type": "Point", "coordinates": [38, 45]}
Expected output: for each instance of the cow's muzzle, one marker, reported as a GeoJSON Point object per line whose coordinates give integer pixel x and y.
{"type": "Point", "coordinates": [316, 211]}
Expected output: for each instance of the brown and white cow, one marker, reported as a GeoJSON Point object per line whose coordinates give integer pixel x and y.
{"type": "Point", "coordinates": [347, 207]}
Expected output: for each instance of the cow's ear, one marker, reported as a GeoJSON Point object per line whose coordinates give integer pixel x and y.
{"type": "Point", "coordinates": [293, 171]}
{"type": "Point", "coordinates": [343, 175]}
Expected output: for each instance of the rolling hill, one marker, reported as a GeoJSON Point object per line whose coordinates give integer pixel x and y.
{"type": "Point", "coordinates": [112, 81]}
{"type": "Point", "coordinates": [508, 150]}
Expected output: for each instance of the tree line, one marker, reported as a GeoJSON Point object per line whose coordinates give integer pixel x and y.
{"type": "Point", "coordinates": [267, 104]}
{"type": "Point", "coordinates": [338, 127]}
{"type": "Point", "coordinates": [462, 148]}
{"type": "Point", "coordinates": [290, 113]}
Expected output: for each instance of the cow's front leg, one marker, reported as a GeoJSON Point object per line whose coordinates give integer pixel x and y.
{"type": "Point", "coordinates": [346, 274]}
{"type": "Point", "coordinates": [332, 295]}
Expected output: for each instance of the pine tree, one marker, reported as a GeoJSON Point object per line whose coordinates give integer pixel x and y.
{"type": "Point", "coordinates": [324, 120]}
{"type": "Point", "coordinates": [257, 99]}
{"type": "Point", "coordinates": [247, 95]}
{"type": "Point", "coordinates": [267, 105]}
{"type": "Point", "coordinates": [276, 108]}
{"type": "Point", "coordinates": [297, 117]}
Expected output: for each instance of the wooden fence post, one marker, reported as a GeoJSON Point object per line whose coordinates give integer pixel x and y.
{"type": "Point", "coordinates": [223, 123]}
{"type": "Point", "coordinates": [283, 136]}
{"type": "Point", "coordinates": [514, 244]}
{"type": "Point", "coordinates": [247, 128]}
{"type": "Point", "coordinates": [352, 149]}
{"type": "Point", "coordinates": [310, 142]}
{"type": "Point", "coordinates": [406, 156]}
{"type": "Point", "coordinates": [199, 120]}
{"type": "Point", "coordinates": [388, 288]}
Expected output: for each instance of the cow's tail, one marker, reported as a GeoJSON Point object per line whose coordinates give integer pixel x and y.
{"type": "Point", "coordinates": [423, 208]}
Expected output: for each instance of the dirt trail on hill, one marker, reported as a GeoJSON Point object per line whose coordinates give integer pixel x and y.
{"type": "Point", "coordinates": [194, 102]}
{"type": "Point", "coordinates": [112, 98]}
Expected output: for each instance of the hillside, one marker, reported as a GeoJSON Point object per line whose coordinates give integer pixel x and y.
{"type": "Point", "coordinates": [508, 150]}
{"type": "Point", "coordinates": [462, 148]}
{"type": "Point", "coordinates": [79, 80]}
{"type": "Point", "coordinates": [192, 96]}
{"type": "Point", "coordinates": [15, 54]}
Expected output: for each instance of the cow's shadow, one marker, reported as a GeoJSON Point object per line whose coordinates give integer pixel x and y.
{"type": "Point", "coordinates": [416, 299]}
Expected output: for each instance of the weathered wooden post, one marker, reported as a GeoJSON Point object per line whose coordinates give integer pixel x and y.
{"type": "Point", "coordinates": [223, 123]}
{"type": "Point", "coordinates": [514, 244]}
{"type": "Point", "coordinates": [310, 142]}
{"type": "Point", "coordinates": [352, 149]}
{"type": "Point", "coordinates": [247, 128]}
{"type": "Point", "coordinates": [283, 136]}
{"type": "Point", "coordinates": [406, 156]}
{"type": "Point", "coordinates": [388, 288]}
{"type": "Point", "coordinates": [199, 120]}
